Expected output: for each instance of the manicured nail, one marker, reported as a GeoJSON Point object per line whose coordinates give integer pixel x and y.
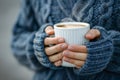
{"type": "Point", "coordinates": [64, 46]}
{"type": "Point", "coordinates": [65, 52]}
{"type": "Point", "coordinates": [61, 40]}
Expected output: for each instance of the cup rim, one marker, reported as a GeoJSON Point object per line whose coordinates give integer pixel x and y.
{"type": "Point", "coordinates": [66, 23]}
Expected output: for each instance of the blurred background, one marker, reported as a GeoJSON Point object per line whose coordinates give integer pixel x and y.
{"type": "Point", "coordinates": [9, 67]}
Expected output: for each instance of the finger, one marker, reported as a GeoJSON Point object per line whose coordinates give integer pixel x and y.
{"type": "Point", "coordinates": [75, 55]}
{"type": "Point", "coordinates": [55, 49]}
{"type": "Point", "coordinates": [58, 63]}
{"type": "Point", "coordinates": [49, 30]}
{"type": "Point", "coordinates": [55, 40]}
{"type": "Point", "coordinates": [77, 48]}
{"type": "Point", "coordinates": [73, 61]}
{"type": "Point", "coordinates": [56, 57]}
{"type": "Point", "coordinates": [78, 67]}
{"type": "Point", "coordinates": [92, 34]}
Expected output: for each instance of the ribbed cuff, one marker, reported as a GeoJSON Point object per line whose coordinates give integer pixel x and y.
{"type": "Point", "coordinates": [34, 63]}
{"type": "Point", "coordinates": [40, 51]}
{"type": "Point", "coordinates": [99, 55]}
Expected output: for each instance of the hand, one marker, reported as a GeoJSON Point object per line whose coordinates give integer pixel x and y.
{"type": "Point", "coordinates": [77, 54]}
{"type": "Point", "coordinates": [54, 53]}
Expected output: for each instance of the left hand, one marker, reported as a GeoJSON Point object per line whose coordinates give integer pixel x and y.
{"type": "Point", "coordinates": [77, 54]}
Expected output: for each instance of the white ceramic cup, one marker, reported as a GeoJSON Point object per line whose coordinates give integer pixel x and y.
{"type": "Point", "coordinates": [73, 33]}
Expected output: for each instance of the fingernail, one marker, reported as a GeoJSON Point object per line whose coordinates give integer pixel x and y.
{"type": "Point", "coordinates": [61, 40]}
{"type": "Point", "coordinates": [65, 52]}
{"type": "Point", "coordinates": [64, 46]}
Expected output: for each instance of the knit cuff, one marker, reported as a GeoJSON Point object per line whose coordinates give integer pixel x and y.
{"type": "Point", "coordinates": [99, 54]}
{"type": "Point", "coordinates": [35, 65]}
{"type": "Point", "coordinates": [40, 51]}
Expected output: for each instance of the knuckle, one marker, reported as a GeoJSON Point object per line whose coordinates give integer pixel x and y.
{"type": "Point", "coordinates": [73, 55]}
{"type": "Point", "coordinates": [46, 41]}
{"type": "Point", "coordinates": [95, 31]}
{"type": "Point", "coordinates": [92, 31]}
{"type": "Point", "coordinates": [51, 58]}
{"type": "Point", "coordinates": [55, 40]}
{"type": "Point", "coordinates": [59, 56]}
{"type": "Point", "coordinates": [57, 47]}
{"type": "Point", "coordinates": [72, 61]}
{"type": "Point", "coordinates": [52, 40]}
{"type": "Point", "coordinates": [54, 58]}
{"type": "Point", "coordinates": [81, 63]}
{"type": "Point", "coordinates": [47, 50]}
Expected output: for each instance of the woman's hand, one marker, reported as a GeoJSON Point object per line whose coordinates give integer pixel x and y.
{"type": "Point", "coordinates": [77, 54]}
{"type": "Point", "coordinates": [54, 53]}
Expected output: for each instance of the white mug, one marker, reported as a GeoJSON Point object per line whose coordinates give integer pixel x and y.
{"type": "Point", "coordinates": [73, 33]}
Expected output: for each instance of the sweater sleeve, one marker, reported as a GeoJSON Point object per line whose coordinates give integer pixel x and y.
{"type": "Point", "coordinates": [101, 54]}
{"type": "Point", "coordinates": [114, 65]}
{"type": "Point", "coordinates": [40, 49]}
{"type": "Point", "coordinates": [23, 35]}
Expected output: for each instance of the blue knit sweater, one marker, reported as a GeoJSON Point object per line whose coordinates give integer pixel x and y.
{"type": "Point", "coordinates": [103, 60]}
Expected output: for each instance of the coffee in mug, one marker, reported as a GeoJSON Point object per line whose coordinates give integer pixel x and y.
{"type": "Point", "coordinates": [73, 33]}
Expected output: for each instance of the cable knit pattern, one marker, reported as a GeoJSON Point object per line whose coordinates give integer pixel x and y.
{"type": "Point", "coordinates": [103, 60]}
{"type": "Point", "coordinates": [87, 14]}
{"type": "Point", "coordinates": [106, 10]}
{"type": "Point", "coordinates": [83, 10]}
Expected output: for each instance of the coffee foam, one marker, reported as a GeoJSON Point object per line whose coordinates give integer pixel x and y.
{"type": "Point", "coordinates": [70, 25]}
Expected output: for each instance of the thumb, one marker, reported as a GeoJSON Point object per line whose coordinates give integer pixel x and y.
{"type": "Point", "coordinates": [92, 34]}
{"type": "Point", "coordinates": [49, 30]}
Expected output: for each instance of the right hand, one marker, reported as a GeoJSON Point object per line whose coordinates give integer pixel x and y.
{"type": "Point", "coordinates": [54, 52]}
